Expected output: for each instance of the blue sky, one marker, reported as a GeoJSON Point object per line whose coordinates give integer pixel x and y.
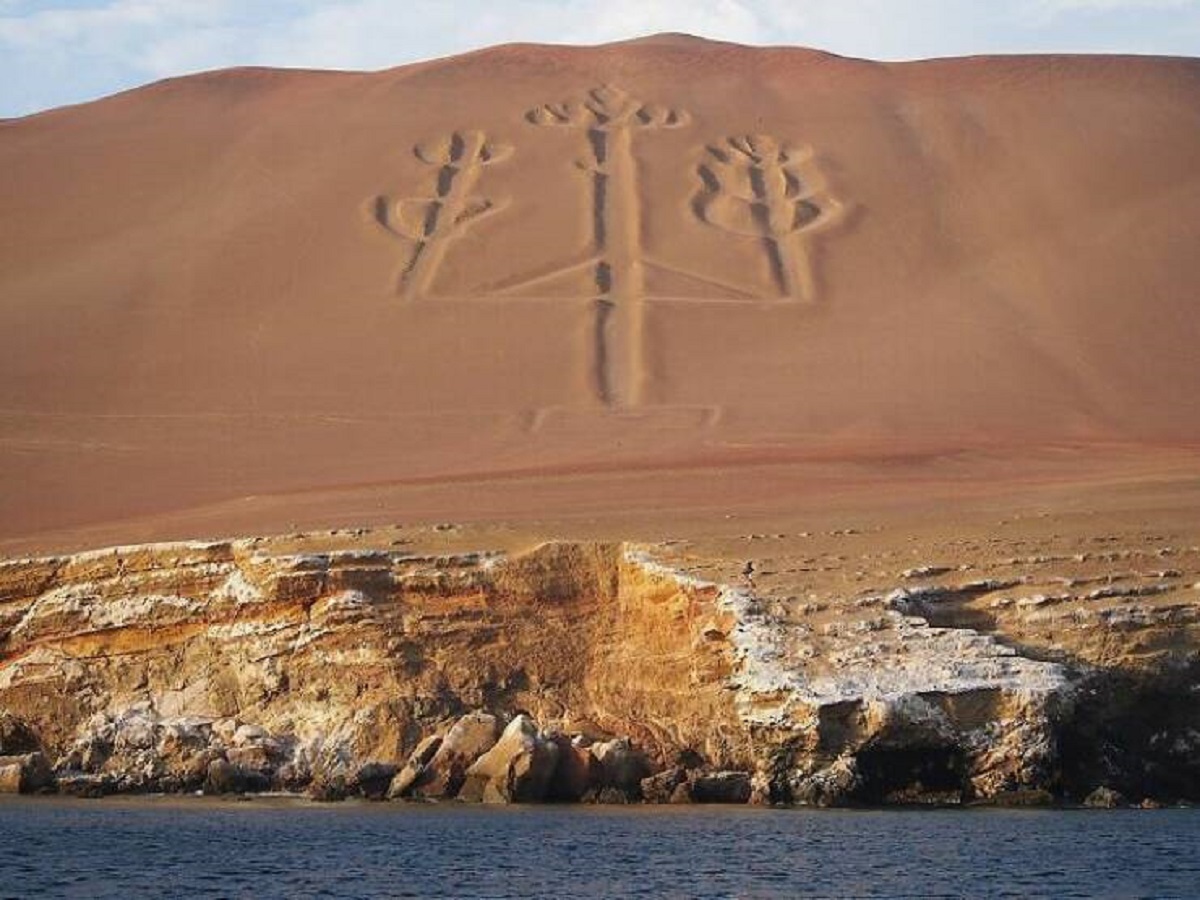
{"type": "Point", "coordinates": [63, 51]}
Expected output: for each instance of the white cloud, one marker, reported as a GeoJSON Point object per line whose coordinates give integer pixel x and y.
{"type": "Point", "coordinates": [369, 34]}
{"type": "Point", "coordinates": [57, 25]}
{"type": "Point", "coordinates": [1068, 6]}
{"type": "Point", "coordinates": [55, 52]}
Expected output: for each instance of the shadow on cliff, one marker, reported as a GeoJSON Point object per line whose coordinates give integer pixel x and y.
{"type": "Point", "coordinates": [1132, 729]}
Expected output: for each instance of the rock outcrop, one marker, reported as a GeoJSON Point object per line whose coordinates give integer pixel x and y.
{"type": "Point", "coordinates": [28, 773]}
{"type": "Point", "coordinates": [576, 672]}
{"type": "Point", "coordinates": [1104, 798]}
{"type": "Point", "coordinates": [622, 767]}
{"type": "Point", "coordinates": [443, 775]}
{"type": "Point", "coordinates": [517, 769]}
{"type": "Point", "coordinates": [577, 774]}
{"type": "Point", "coordinates": [414, 770]}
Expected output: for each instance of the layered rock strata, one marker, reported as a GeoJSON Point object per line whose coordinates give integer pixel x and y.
{"type": "Point", "coordinates": [575, 671]}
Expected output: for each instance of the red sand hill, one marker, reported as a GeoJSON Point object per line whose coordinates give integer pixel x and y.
{"type": "Point", "coordinates": [663, 275]}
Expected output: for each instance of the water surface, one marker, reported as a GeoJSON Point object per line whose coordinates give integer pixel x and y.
{"type": "Point", "coordinates": [278, 848]}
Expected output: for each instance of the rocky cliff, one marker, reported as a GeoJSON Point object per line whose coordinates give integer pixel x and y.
{"type": "Point", "coordinates": [599, 671]}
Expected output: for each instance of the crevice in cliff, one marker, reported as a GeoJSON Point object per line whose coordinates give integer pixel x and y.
{"type": "Point", "coordinates": [910, 774]}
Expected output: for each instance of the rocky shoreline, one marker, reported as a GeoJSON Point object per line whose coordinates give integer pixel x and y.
{"type": "Point", "coordinates": [580, 673]}
{"type": "Point", "coordinates": [481, 758]}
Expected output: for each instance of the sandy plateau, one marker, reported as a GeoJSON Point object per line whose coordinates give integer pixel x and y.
{"type": "Point", "coordinates": [667, 420]}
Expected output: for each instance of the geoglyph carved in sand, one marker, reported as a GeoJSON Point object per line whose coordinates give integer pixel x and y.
{"type": "Point", "coordinates": [754, 186]}
{"type": "Point", "coordinates": [431, 223]}
{"type": "Point", "coordinates": [759, 187]}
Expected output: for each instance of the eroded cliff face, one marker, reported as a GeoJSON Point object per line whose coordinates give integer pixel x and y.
{"type": "Point", "coordinates": [237, 665]}
{"type": "Point", "coordinates": [348, 657]}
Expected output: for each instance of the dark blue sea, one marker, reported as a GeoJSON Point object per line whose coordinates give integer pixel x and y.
{"type": "Point", "coordinates": [151, 847]}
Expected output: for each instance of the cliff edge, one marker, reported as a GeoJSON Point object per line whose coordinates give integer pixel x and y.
{"type": "Point", "coordinates": [244, 665]}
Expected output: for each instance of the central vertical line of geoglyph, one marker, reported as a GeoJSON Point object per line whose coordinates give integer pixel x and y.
{"type": "Point", "coordinates": [611, 118]}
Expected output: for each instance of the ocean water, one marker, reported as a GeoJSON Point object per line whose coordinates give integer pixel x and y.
{"type": "Point", "coordinates": [150, 847]}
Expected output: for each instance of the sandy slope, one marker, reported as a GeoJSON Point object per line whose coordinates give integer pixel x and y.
{"type": "Point", "coordinates": [250, 298]}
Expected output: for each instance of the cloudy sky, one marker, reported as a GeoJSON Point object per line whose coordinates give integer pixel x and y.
{"type": "Point", "coordinates": [63, 51]}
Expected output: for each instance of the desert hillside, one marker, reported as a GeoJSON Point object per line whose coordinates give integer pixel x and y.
{"type": "Point", "coordinates": [251, 298]}
{"type": "Point", "coordinates": [666, 421]}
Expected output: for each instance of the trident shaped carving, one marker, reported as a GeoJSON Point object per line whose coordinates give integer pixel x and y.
{"type": "Point", "coordinates": [754, 185]}
{"type": "Point", "coordinates": [430, 223]}
{"type": "Point", "coordinates": [611, 117]}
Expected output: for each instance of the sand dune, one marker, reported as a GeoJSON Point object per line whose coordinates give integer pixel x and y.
{"type": "Point", "coordinates": [687, 261]}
